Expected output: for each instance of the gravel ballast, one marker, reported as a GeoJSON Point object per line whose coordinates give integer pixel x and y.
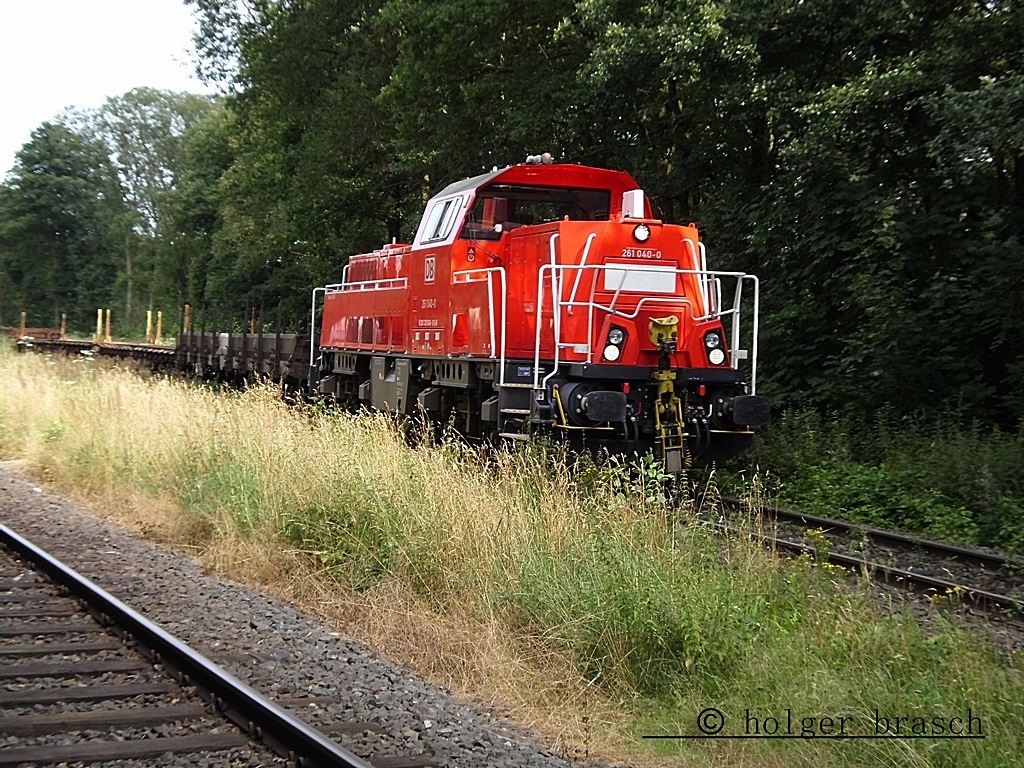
{"type": "Point", "coordinates": [372, 707]}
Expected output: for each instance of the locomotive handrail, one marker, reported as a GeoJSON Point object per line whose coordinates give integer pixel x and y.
{"type": "Point", "coordinates": [579, 273]}
{"type": "Point", "coordinates": [385, 284]}
{"type": "Point", "coordinates": [712, 308]}
{"type": "Point", "coordinates": [754, 331]}
{"type": "Point", "coordinates": [672, 299]}
{"type": "Point", "coordinates": [618, 290]}
{"type": "Point", "coordinates": [556, 303]}
{"type": "Point", "coordinates": [313, 335]}
{"type": "Point", "coordinates": [700, 264]}
{"type": "Point", "coordinates": [489, 271]}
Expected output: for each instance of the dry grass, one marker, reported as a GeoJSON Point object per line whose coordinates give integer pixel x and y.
{"type": "Point", "coordinates": [567, 599]}
{"type": "Point", "coordinates": [132, 449]}
{"type": "Point", "coordinates": [477, 660]}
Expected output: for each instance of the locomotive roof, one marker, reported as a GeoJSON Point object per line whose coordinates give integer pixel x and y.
{"type": "Point", "coordinates": [552, 175]}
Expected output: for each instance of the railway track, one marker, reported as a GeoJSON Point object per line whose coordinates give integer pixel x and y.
{"type": "Point", "coordinates": [84, 678]}
{"type": "Point", "coordinates": [281, 357]}
{"type": "Point", "coordinates": [989, 581]}
{"type": "Point", "coordinates": [156, 355]}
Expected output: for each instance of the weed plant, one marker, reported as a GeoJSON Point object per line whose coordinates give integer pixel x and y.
{"type": "Point", "coordinates": [943, 479]}
{"type": "Point", "coordinates": [618, 612]}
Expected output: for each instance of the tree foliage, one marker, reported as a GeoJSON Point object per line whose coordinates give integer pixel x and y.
{"type": "Point", "coordinates": [905, 239]}
{"type": "Point", "coordinates": [144, 130]}
{"type": "Point", "coordinates": [865, 159]}
{"type": "Point", "coordinates": [60, 208]}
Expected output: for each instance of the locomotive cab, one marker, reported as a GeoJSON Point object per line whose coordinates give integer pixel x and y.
{"type": "Point", "coordinates": [547, 297]}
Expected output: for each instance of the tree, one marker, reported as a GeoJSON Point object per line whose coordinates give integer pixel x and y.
{"type": "Point", "coordinates": [60, 209]}
{"type": "Point", "coordinates": [143, 130]}
{"type": "Point", "coordinates": [852, 154]}
{"type": "Point", "coordinates": [864, 158]}
{"type": "Point", "coordinates": [195, 206]}
{"type": "Point", "coordinates": [479, 83]}
{"type": "Point", "coordinates": [315, 173]}
{"type": "Point", "coordinates": [898, 235]}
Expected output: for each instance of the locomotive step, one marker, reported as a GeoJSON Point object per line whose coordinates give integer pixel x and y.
{"type": "Point", "coordinates": [514, 436]}
{"type": "Point", "coordinates": [517, 411]}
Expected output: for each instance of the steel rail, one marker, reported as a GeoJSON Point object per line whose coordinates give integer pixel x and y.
{"type": "Point", "coordinates": [988, 559]}
{"type": "Point", "coordinates": [254, 713]}
{"type": "Point", "coordinates": [901, 577]}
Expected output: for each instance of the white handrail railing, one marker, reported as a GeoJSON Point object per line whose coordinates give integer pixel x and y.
{"type": "Point", "coordinates": [388, 283]}
{"type": "Point", "coordinates": [710, 282]}
{"type": "Point", "coordinates": [490, 272]}
{"type": "Point", "coordinates": [312, 331]}
{"type": "Point", "coordinates": [579, 274]}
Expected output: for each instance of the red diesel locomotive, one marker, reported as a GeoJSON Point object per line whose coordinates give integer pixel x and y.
{"type": "Point", "coordinates": [546, 298]}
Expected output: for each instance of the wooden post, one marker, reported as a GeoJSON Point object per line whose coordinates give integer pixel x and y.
{"type": "Point", "coordinates": [99, 326]}
{"type": "Point", "coordinates": [245, 347]}
{"type": "Point", "coordinates": [277, 345]}
{"type": "Point", "coordinates": [24, 317]}
{"type": "Point", "coordinates": [229, 361]}
{"type": "Point", "coordinates": [64, 325]}
{"type": "Point", "coordinates": [258, 363]}
{"type": "Point", "coordinates": [187, 325]}
{"type": "Point", "coordinates": [149, 326]}
{"type": "Point", "coordinates": [107, 338]}
{"type": "Point", "coordinates": [159, 327]}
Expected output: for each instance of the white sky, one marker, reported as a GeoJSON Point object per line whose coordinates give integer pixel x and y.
{"type": "Point", "coordinates": [56, 54]}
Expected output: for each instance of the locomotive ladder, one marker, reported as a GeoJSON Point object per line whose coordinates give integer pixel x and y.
{"type": "Point", "coordinates": [509, 416]}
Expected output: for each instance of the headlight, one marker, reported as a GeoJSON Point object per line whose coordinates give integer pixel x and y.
{"type": "Point", "coordinates": [611, 353]}
{"type": "Point", "coordinates": [713, 340]}
{"type": "Point", "coordinates": [616, 336]}
{"type": "Point", "coordinates": [716, 356]}
{"type": "Point", "coordinates": [641, 232]}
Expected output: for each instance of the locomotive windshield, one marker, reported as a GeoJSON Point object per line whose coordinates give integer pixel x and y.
{"type": "Point", "coordinates": [501, 207]}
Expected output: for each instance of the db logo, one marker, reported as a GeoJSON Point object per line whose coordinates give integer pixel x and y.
{"type": "Point", "coordinates": [429, 269]}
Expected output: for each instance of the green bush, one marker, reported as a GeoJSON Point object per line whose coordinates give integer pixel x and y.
{"type": "Point", "coordinates": [940, 479]}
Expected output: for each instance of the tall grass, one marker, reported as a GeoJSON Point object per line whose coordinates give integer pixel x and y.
{"type": "Point", "coordinates": [943, 478]}
{"type": "Point", "coordinates": [607, 600]}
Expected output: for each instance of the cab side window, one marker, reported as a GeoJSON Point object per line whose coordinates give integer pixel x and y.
{"type": "Point", "coordinates": [440, 220]}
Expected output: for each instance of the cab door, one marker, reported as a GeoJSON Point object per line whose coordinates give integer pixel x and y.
{"type": "Point", "coordinates": [428, 287]}
{"type": "Point", "coordinates": [526, 252]}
